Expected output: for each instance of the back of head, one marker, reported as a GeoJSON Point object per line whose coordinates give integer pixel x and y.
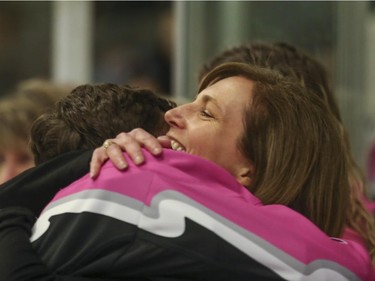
{"type": "Point", "coordinates": [291, 137]}
{"type": "Point", "coordinates": [288, 60]}
{"type": "Point", "coordinates": [94, 113]}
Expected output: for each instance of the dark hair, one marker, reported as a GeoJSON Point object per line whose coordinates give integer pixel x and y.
{"type": "Point", "coordinates": [91, 114]}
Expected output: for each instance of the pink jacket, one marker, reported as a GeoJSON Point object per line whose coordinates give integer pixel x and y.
{"type": "Point", "coordinates": [161, 196]}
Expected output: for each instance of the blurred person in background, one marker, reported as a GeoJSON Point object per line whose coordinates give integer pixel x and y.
{"type": "Point", "coordinates": [18, 111]}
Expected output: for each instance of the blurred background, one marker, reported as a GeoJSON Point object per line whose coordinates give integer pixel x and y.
{"type": "Point", "coordinates": [163, 44]}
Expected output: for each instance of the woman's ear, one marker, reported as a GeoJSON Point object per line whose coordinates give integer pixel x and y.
{"type": "Point", "coordinates": [245, 176]}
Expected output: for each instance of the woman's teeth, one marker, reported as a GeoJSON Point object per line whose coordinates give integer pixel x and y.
{"type": "Point", "coordinates": [176, 146]}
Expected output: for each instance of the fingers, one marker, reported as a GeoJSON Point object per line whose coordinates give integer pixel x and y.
{"type": "Point", "coordinates": [114, 153]}
{"type": "Point", "coordinates": [132, 143]}
{"type": "Point", "coordinates": [98, 158]}
{"type": "Point", "coordinates": [164, 141]}
{"type": "Point", "coordinates": [146, 140]}
{"type": "Point", "coordinates": [109, 150]}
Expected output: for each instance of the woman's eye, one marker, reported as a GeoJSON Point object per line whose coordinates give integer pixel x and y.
{"type": "Point", "coordinates": [205, 113]}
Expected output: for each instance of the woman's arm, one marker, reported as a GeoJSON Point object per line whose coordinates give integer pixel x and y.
{"type": "Point", "coordinates": [18, 260]}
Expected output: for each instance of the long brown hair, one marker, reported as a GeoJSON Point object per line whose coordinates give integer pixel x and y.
{"type": "Point", "coordinates": [293, 62]}
{"type": "Point", "coordinates": [294, 143]}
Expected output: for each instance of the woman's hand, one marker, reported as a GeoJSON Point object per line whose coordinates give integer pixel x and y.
{"type": "Point", "coordinates": [132, 143]}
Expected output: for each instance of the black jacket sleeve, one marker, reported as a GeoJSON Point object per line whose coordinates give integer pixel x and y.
{"type": "Point", "coordinates": [18, 260]}
{"type": "Point", "coordinates": [34, 188]}
{"type": "Point", "coordinates": [21, 200]}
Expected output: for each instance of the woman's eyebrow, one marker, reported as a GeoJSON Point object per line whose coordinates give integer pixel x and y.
{"type": "Point", "coordinates": [206, 99]}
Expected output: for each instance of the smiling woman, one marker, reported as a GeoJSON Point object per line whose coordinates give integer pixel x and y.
{"type": "Point", "coordinates": [282, 146]}
{"type": "Point", "coordinates": [216, 111]}
{"type": "Point", "coordinates": [247, 176]}
{"type": "Point", "coordinates": [253, 119]}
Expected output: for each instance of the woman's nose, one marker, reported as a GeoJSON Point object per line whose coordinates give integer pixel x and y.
{"type": "Point", "coordinates": [175, 117]}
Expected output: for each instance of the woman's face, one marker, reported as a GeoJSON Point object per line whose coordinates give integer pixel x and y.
{"type": "Point", "coordinates": [211, 126]}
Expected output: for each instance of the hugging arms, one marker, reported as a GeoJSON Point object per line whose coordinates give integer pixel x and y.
{"type": "Point", "coordinates": [229, 188]}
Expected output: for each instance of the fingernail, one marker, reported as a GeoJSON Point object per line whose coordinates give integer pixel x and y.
{"type": "Point", "coordinates": [157, 150]}
{"type": "Point", "coordinates": [163, 138]}
{"type": "Point", "coordinates": [138, 160]}
{"type": "Point", "coordinates": [122, 165]}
